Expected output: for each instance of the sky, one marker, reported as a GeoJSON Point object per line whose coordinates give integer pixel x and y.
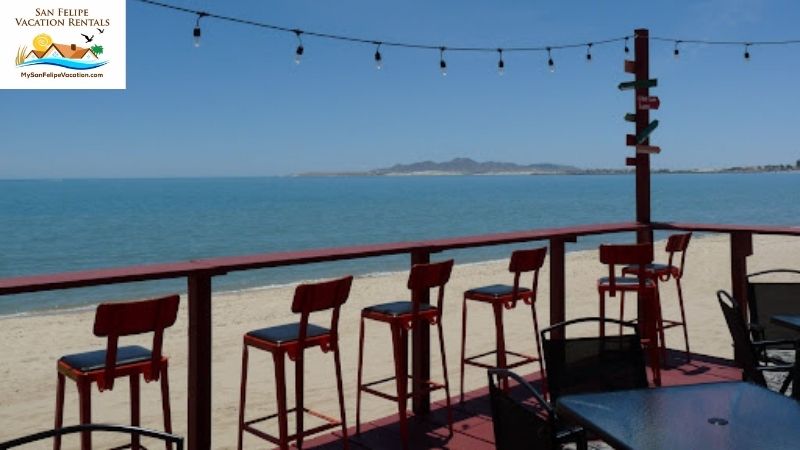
{"type": "Point", "coordinates": [239, 106]}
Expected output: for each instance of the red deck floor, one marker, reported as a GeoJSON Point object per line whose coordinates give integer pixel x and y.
{"type": "Point", "coordinates": [473, 424]}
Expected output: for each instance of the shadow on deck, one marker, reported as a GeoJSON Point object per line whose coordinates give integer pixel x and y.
{"type": "Point", "coordinates": [472, 427]}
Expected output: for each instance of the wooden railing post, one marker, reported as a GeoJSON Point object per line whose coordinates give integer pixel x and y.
{"type": "Point", "coordinates": [421, 358]}
{"type": "Point", "coordinates": [558, 282]}
{"type": "Point", "coordinates": [199, 383]}
{"type": "Point", "coordinates": [741, 248]}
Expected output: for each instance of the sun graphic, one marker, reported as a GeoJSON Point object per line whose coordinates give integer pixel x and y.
{"type": "Point", "coordinates": [42, 42]}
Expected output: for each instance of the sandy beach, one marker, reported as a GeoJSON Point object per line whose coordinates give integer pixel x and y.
{"type": "Point", "coordinates": [32, 344]}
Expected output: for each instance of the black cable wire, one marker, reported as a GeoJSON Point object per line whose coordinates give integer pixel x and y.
{"type": "Point", "coordinates": [374, 41]}
{"type": "Point", "coordinates": [709, 42]}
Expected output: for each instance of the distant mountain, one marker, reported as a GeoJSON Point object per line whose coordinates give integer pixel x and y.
{"type": "Point", "coordinates": [462, 166]}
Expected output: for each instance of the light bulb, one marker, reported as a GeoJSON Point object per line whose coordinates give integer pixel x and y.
{"type": "Point", "coordinates": [298, 54]}
{"type": "Point", "coordinates": [676, 53]}
{"type": "Point", "coordinates": [589, 52]}
{"type": "Point", "coordinates": [378, 60]}
{"type": "Point", "coordinates": [747, 53]}
{"type": "Point", "coordinates": [552, 65]}
{"type": "Point", "coordinates": [627, 50]}
{"type": "Point", "coordinates": [442, 63]}
{"type": "Point", "coordinates": [196, 34]}
{"type": "Point", "coordinates": [501, 65]}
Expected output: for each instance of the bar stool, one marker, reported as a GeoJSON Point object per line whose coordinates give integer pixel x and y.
{"type": "Point", "coordinates": [677, 243]}
{"type": "Point", "coordinates": [402, 316]}
{"type": "Point", "coordinates": [115, 320]}
{"type": "Point", "coordinates": [500, 297]}
{"type": "Point", "coordinates": [292, 340]}
{"type": "Point", "coordinates": [646, 289]}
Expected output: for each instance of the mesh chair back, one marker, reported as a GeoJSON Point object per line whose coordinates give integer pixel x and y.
{"type": "Point", "coordinates": [767, 299]}
{"type": "Point", "coordinates": [745, 353]}
{"type": "Point", "coordinates": [593, 364]}
{"type": "Point", "coordinates": [517, 425]}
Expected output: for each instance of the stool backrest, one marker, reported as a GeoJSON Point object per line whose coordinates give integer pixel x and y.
{"type": "Point", "coordinates": [427, 276]}
{"type": "Point", "coordinates": [113, 320]}
{"type": "Point", "coordinates": [626, 254]}
{"type": "Point", "coordinates": [678, 243]}
{"type": "Point", "coordinates": [315, 297]}
{"type": "Point", "coordinates": [526, 261]}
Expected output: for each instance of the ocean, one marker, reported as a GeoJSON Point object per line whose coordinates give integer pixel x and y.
{"type": "Point", "coordinates": [50, 226]}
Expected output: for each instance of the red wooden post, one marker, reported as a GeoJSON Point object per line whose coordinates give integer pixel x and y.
{"type": "Point", "coordinates": [641, 50]}
{"type": "Point", "coordinates": [741, 248]}
{"type": "Point", "coordinates": [558, 282]}
{"type": "Point", "coordinates": [421, 360]}
{"type": "Point", "coordinates": [199, 384]}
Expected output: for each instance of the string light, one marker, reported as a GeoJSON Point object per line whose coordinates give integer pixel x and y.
{"type": "Point", "coordinates": [627, 50]}
{"type": "Point", "coordinates": [378, 57]}
{"type": "Point", "coordinates": [442, 63]}
{"type": "Point", "coordinates": [676, 53]}
{"type": "Point", "coordinates": [196, 32]}
{"type": "Point", "coordinates": [501, 65]}
{"type": "Point", "coordinates": [298, 53]}
{"type": "Point", "coordinates": [747, 52]}
{"type": "Point", "coordinates": [550, 64]}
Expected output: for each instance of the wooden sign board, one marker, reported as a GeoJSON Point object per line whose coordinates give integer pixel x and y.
{"type": "Point", "coordinates": [645, 102]}
{"type": "Point", "coordinates": [638, 84]}
{"type": "Point", "coordinates": [649, 149]}
{"type": "Point", "coordinates": [630, 66]}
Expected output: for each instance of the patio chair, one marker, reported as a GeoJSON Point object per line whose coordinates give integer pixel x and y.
{"type": "Point", "coordinates": [115, 320]}
{"type": "Point", "coordinates": [747, 350]}
{"type": "Point", "coordinates": [766, 299]}
{"type": "Point", "coordinates": [673, 269]}
{"type": "Point", "coordinates": [529, 423]}
{"type": "Point", "coordinates": [133, 431]}
{"type": "Point", "coordinates": [500, 297]}
{"type": "Point", "coordinates": [593, 364]}
{"type": "Point", "coordinates": [292, 340]}
{"type": "Point", "coordinates": [402, 316]}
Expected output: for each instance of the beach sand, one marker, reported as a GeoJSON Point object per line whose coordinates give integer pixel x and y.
{"type": "Point", "coordinates": [32, 344]}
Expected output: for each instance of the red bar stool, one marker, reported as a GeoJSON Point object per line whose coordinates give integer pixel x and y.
{"type": "Point", "coordinates": [292, 340]}
{"type": "Point", "coordinates": [500, 297]}
{"type": "Point", "coordinates": [677, 243]}
{"type": "Point", "coordinates": [402, 316]}
{"type": "Point", "coordinates": [646, 289]}
{"type": "Point", "coordinates": [114, 320]}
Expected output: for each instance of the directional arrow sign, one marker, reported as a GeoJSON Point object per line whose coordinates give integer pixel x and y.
{"type": "Point", "coordinates": [644, 102]}
{"type": "Point", "coordinates": [630, 66]}
{"type": "Point", "coordinates": [649, 149]}
{"type": "Point", "coordinates": [630, 117]}
{"type": "Point", "coordinates": [645, 133]}
{"type": "Point", "coordinates": [638, 84]}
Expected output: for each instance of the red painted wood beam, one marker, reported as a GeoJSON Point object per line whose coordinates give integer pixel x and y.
{"type": "Point", "coordinates": [421, 345]}
{"type": "Point", "coordinates": [199, 382]}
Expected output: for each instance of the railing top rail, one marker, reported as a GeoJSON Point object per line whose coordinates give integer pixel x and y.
{"type": "Point", "coordinates": [726, 228]}
{"type": "Point", "coordinates": [221, 265]}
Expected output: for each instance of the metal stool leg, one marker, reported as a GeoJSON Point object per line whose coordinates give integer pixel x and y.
{"type": "Point", "coordinates": [165, 402]}
{"type": "Point", "coordinates": [683, 318]}
{"type": "Point", "coordinates": [85, 402]}
{"type": "Point", "coordinates": [360, 373]}
{"type": "Point", "coordinates": [463, 345]}
{"type": "Point", "coordinates": [298, 394]}
{"type": "Point", "coordinates": [59, 409]}
{"type": "Point", "coordinates": [539, 347]}
{"type": "Point", "coordinates": [602, 313]}
{"type": "Point", "coordinates": [621, 310]}
{"type": "Point", "coordinates": [399, 344]}
{"type": "Point", "coordinates": [135, 409]}
{"type": "Point", "coordinates": [446, 378]}
{"type": "Point", "coordinates": [280, 381]}
{"type": "Point", "coordinates": [500, 340]}
{"type": "Point", "coordinates": [242, 396]}
{"type": "Point", "coordinates": [338, 364]}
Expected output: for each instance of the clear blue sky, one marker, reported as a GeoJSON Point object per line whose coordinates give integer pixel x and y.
{"type": "Point", "coordinates": [238, 105]}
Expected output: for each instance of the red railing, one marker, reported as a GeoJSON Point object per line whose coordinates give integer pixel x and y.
{"type": "Point", "coordinates": [199, 274]}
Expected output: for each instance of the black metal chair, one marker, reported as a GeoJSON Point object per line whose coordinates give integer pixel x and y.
{"type": "Point", "coordinates": [524, 424]}
{"type": "Point", "coordinates": [593, 364]}
{"type": "Point", "coordinates": [766, 299]}
{"type": "Point", "coordinates": [133, 431]}
{"type": "Point", "coordinates": [748, 351]}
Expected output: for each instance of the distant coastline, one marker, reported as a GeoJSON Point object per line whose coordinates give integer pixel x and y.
{"type": "Point", "coordinates": [467, 166]}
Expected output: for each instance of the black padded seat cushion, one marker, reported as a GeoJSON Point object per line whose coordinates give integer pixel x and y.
{"type": "Point", "coordinates": [88, 361]}
{"type": "Point", "coordinates": [650, 267]}
{"type": "Point", "coordinates": [287, 333]}
{"type": "Point", "coordinates": [496, 290]}
{"type": "Point", "coordinates": [394, 309]}
{"type": "Point", "coordinates": [625, 281]}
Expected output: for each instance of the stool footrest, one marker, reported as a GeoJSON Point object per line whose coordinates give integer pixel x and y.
{"type": "Point", "coordinates": [367, 387]}
{"type": "Point", "coordinates": [330, 424]}
{"type": "Point", "coordinates": [525, 359]}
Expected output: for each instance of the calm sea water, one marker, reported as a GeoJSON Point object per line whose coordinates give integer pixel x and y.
{"type": "Point", "coordinates": [56, 226]}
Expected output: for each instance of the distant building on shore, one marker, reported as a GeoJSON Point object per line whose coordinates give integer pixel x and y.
{"type": "Point", "coordinates": [64, 51]}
